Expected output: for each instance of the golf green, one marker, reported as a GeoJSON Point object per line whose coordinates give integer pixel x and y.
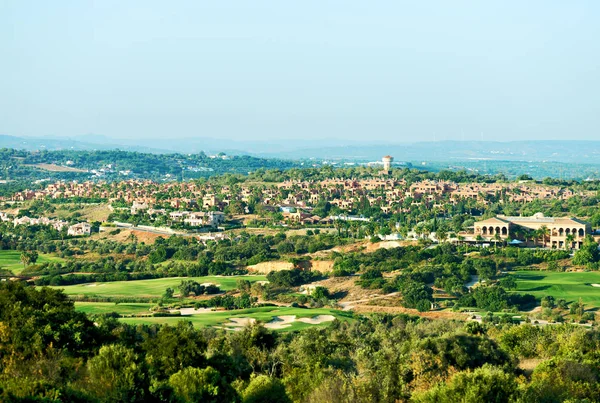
{"type": "Point", "coordinates": [108, 307]}
{"type": "Point", "coordinates": [11, 260]}
{"type": "Point", "coordinates": [568, 285]}
{"type": "Point", "coordinates": [150, 288]}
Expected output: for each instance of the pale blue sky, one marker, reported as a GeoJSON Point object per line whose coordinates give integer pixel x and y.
{"type": "Point", "coordinates": [355, 70]}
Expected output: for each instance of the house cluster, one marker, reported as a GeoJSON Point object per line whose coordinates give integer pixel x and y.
{"type": "Point", "coordinates": [296, 199]}
{"type": "Point", "coordinates": [79, 229]}
{"type": "Point", "coordinates": [27, 221]}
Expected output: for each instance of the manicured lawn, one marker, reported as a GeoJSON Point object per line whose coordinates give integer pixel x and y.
{"type": "Point", "coordinates": [11, 260]}
{"type": "Point", "coordinates": [262, 314]}
{"type": "Point", "coordinates": [150, 288]}
{"type": "Point", "coordinates": [107, 307]}
{"type": "Point", "coordinates": [570, 286]}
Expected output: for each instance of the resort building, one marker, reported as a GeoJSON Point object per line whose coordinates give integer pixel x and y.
{"type": "Point", "coordinates": [555, 232]}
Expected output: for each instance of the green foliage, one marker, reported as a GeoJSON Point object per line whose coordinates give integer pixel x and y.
{"type": "Point", "coordinates": [485, 384]}
{"type": "Point", "coordinates": [201, 385]}
{"type": "Point", "coordinates": [173, 348]}
{"type": "Point", "coordinates": [588, 253]}
{"type": "Point", "coordinates": [263, 389]}
{"type": "Point", "coordinates": [115, 375]}
{"type": "Point", "coordinates": [187, 287]}
{"type": "Point", "coordinates": [292, 278]}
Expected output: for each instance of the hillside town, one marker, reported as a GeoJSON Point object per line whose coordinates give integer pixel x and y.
{"type": "Point", "coordinates": [207, 206]}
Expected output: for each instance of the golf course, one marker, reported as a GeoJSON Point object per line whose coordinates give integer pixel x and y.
{"type": "Point", "coordinates": [11, 260]}
{"type": "Point", "coordinates": [567, 285]}
{"type": "Point", "coordinates": [279, 318]}
{"type": "Point", "coordinates": [95, 308]}
{"type": "Point", "coordinates": [152, 287]}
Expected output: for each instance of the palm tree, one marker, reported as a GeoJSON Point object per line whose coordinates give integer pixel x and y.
{"type": "Point", "coordinates": [25, 259]}
{"type": "Point", "coordinates": [479, 239]}
{"type": "Point", "coordinates": [544, 233]}
{"type": "Point", "coordinates": [569, 239]}
{"type": "Point", "coordinates": [461, 239]}
{"type": "Point", "coordinates": [441, 235]}
{"type": "Point", "coordinates": [496, 240]}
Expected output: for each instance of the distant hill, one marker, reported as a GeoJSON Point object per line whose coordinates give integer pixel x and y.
{"type": "Point", "coordinates": [53, 144]}
{"type": "Point", "coordinates": [543, 150]}
{"type": "Point", "coordinates": [558, 151]}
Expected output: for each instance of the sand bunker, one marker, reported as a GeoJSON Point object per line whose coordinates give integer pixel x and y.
{"type": "Point", "coordinates": [192, 311]}
{"type": "Point", "coordinates": [94, 285]}
{"type": "Point", "coordinates": [316, 320]}
{"type": "Point", "coordinates": [281, 322]}
{"type": "Point", "coordinates": [240, 322]}
{"type": "Point", "coordinates": [595, 285]}
{"type": "Point", "coordinates": [207, 284]}
{"type": "Point", "coordinates": [307, 289]}
{"type": "Point", "coordinates": [278, 322]}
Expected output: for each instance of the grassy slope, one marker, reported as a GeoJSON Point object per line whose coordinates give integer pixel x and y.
{"type": "Point", "coordinates": [107, 307]}
{"type": "Point", "coordinates": [263, 314]}
{"type": "Point", "coordinates": [11, 260]}
{"type": "Point", "coordinates": [570, 286]}
{"type": "Point", "coordinates": [150, 288]}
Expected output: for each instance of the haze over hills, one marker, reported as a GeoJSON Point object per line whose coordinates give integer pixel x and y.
{"type": "Point", "coordinates": [529, 150]}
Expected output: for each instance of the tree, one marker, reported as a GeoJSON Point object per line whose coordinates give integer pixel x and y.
{"type": "Point", "coordinates": [168, 293]}
{"type": "Point", "coordinates": [569, 239]}
{"type": "Point", "coordinates": [264, 389]}
{"type": "Point", "coordinates": [320, 293]}
{"type": "Point", "coordinates": [115, 375]}
{"type": "Point", "coordinates": [28, 257]}
{"type": "Point", "coordinates": [486, 269]}
{"type": "Point", "coordinates": [508, 282]}
{"type": "Point", "coordinates": [485, 384]}
{"type": "Point", "coordinates": [158, 255]}
{"type": "Point", "coordinates": [201, 385]}
{"type": "Point", "coordinates": [441, 235]}
{"type": "Point", "coordinates": [174, 348]}
{"type": "Point", "coordinates": [497, 239]}
{"type": "Point", "coordinates": [588, 253]}
{"type": "Point", "coordinates": [577, 308]}
{"type": "Point", "coordinates": [187, 287]}
{"type": "Point", "coordinates": [479, 239]}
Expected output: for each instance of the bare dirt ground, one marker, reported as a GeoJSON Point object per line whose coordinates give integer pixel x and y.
{"type": "Point", "coordinates": [346, 288]}
{"type": "Point", "coordinates": [124, 236]}
{"type": "Point", "coordinates": [267, 267]}
{"type": "Point", "coordinates": [529, 364]}
{"type": "Point", "coordinates": [56, 168]}
{"type": "Point", "coordinates": [362, 246]}
{"type": "Point", "coordinates": [323, 266]}
{"type": "Point", "coordinates": [399, 309]}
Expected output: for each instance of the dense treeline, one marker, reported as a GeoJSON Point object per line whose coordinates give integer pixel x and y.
{"type": "Point", "coordinates": [51, 353]}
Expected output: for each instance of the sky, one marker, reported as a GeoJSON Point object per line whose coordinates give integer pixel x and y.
{"type": "Point", "coordinates": [352, 71]}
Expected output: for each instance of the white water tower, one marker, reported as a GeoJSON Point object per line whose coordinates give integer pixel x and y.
{"type": "Point", "coordinates": [387, 163]}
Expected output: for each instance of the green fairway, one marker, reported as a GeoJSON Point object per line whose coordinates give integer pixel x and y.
{"type": "Point", "coordinates": [107, 307]}
{"type": "Point", "coordinates": [570, 286]}
{"type": "Point", "coordinates": [262, 314]}
{"type": "Point", "coordinates": [150, 288]}
{"type": "Point", "coordinates": [11, 260]}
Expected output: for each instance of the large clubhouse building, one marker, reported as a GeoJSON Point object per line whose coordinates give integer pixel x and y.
{"type": "Point", "coordinates": [562, 232]}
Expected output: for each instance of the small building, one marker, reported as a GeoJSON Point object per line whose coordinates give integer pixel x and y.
{"type": "Point", "coordinates": [80, 229]}
{"type": "Point", "coordinates": [200, 219]}
{"type": "Point", "coordinates": [137, 206]}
